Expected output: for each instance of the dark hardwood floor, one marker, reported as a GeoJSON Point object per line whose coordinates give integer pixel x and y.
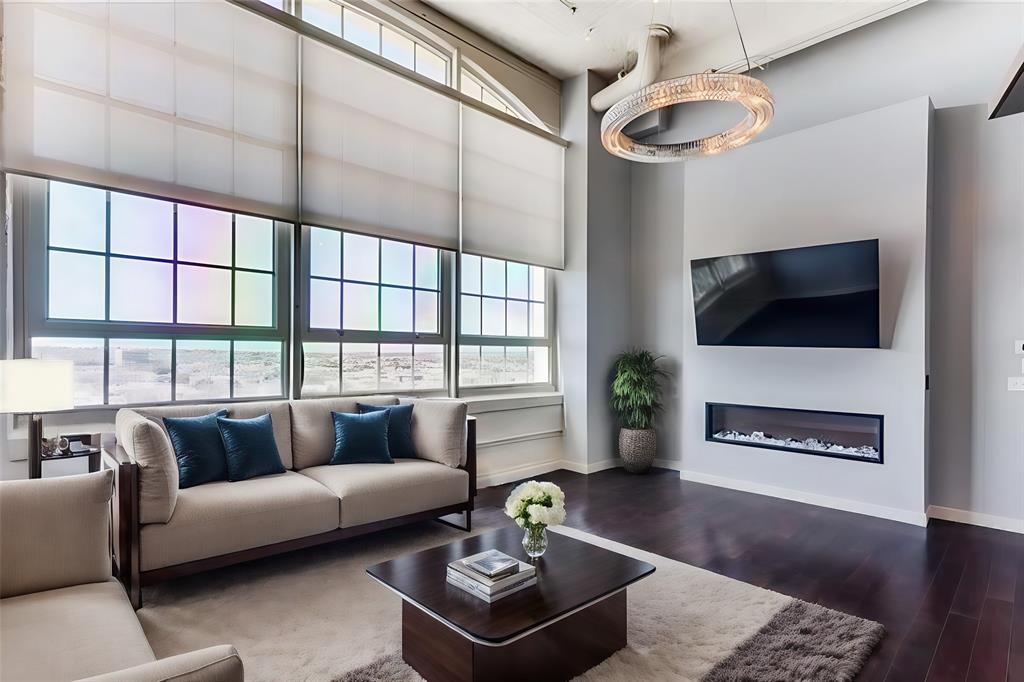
{"type": "Point", "coordinates": [951, 596]}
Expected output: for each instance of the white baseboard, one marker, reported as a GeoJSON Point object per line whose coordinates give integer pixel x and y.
{"type": "Point", "coordinates": [840, 503]}
{"type": "Point", "coordinates": [509, 474]}
{"type": "Point", "coordinates": [601, 465]}
{"type": "Point", "coordinates": [673, 464]}
{"type": "Point", "coordinates": [976, 519]}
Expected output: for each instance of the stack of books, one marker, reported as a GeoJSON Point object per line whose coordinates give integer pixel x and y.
{"type": "Point", "coordinates": [491, 575]}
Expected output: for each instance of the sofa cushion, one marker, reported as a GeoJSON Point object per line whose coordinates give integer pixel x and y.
{"type": "Point", "coordinates": [54, 532]}
{"type": "Point", "coordinates": [313, 427]}
{"type": "Point", "coordinates": [198, 448]}
{"type": "Point", "coordinates": [222, 517]}
{"type": "Point", "coordinates": [70, 633]}
{"type": "Point", "coordinates": [147, 444]}
{"type": "Point", "coordinates": [439, 430]}
{"type": "Point", "coordinates": [373, 492]}
{"type": "Point", "coordinates": [249, 447]}
{"type": "Point", "coordinates": [277, 409]}
{"type": "Point", "coordinates": [361, 438]}
{"type": "Point", "coordinates": [399, 428]}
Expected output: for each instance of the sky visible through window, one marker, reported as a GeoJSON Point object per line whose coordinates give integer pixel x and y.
{"type": "Point", "coordinates": [368, 33]}
{"type": "Point", "coordinates": [359, 283]}
{"type": "Point", "coordinates": [174, 282]}
{"type": "Point", "coordinates": [502, 299]}
{"type": "Point", "coordinates": [167, 264]}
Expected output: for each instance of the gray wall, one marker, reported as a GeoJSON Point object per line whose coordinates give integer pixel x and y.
{"type": "Point", "coordinates": [571, 285]}
{"type": "Point", "coordinates": [593, 291]}
{"type": "Point", "coordinates": [956, 53]}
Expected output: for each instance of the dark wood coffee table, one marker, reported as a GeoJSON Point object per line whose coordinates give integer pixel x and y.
{"type": "Point", "coordinates": [571, 620]}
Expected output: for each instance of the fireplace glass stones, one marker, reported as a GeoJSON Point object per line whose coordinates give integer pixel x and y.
{"type": "Point", "coordinates": [844, 435]}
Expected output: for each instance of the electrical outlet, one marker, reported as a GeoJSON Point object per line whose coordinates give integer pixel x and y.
{"type": "Point", "coordinates": [1018, 346]}
{"type": "Point", "coordinates": [1015, 384]}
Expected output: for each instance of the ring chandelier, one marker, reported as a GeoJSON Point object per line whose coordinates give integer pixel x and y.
{"type": "Point", "coordinates": [749, 92]}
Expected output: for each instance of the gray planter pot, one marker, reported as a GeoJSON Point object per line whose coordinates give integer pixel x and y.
{"type": "Point", "coordinates": [637, 448]}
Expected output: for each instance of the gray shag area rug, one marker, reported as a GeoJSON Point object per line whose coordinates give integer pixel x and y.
{"type": "Point", "coordinates": [316, 616]}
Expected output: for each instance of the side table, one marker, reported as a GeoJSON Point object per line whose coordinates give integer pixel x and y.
{"type": "Point", "coordinates": [92, 450]}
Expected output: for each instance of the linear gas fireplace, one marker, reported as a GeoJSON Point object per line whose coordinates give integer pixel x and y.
{"type": "Point", "coordinates": [845, 435]}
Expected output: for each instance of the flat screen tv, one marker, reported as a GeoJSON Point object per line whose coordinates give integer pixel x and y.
{"type": "Point", "coordinates": [815, 296]}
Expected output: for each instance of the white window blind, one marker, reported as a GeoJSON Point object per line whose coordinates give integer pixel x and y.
{"type": "Point", "coordinates": [512, 192]}
{"type": "Point", "coordinates": [380, 153]}
{"type": "Point", "coordinates": [190, 100]}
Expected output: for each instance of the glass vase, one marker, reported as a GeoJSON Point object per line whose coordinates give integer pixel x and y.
{"type": "Point", "coordinates": [535, 540]}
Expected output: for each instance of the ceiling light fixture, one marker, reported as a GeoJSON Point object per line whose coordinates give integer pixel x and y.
{"type": "Point", "coordinates": [752, 94]}
{"type": "Point", "coordinates": [571, 6]}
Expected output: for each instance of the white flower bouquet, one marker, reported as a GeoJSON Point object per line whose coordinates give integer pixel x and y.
{"type": "Point", "coordinates": [536, 504]}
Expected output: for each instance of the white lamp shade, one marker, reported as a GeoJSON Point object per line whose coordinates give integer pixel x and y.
{"type": "Point", "coordinates": [36, 385]}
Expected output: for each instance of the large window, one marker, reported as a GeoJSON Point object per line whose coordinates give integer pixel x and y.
{"type": "Point", "coordinates": [158, 302]}
{"type": "Point", "coordinates": [379, 38]}
{"type": "Point", "coordinates": [154, 301]}
{"type": "Point", "coordinates": [375, 318]}
{"type": "Point", "coordinates": [504, 328]}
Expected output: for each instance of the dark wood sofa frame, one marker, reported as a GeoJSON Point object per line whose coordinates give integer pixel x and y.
{"type": "Point", "coordinates": [125, 528]}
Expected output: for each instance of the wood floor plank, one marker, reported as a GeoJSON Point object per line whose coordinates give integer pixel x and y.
{"type": "Point", "coordinates": [1015, 665]}
{"type": "Point", "coordinates": [953, 653]}
{"type": "Point", "coordinates": [919, 647]}
{"type": "Point", "coordinates": [970, 595]}
{"type": "Point", "coordinates": [1006, 562]}
{"type": "Point", "coordinates": [991, 651]}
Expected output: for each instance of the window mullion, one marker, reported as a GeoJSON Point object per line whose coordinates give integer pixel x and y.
{"type": "Point", "coordinates": [233, 278]}
{"type": "Point", "coordinates": [106, 258]}
{"type": "Point", "coordinates": [174, 369]}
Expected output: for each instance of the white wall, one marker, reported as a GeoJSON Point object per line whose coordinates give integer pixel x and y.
{"type": "Point", "coordinates": [517, 437]}
{"type": "Point", "coordinates": [956, 53]}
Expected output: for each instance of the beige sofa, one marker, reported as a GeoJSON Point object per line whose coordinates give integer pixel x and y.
{"type": "Point", "coordinates": [62, 614]}
{"type": "Point", "coordinates": [164, 532]}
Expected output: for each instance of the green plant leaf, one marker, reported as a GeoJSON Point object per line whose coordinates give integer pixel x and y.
{"type": "Point", "coordinates": [636, 388]}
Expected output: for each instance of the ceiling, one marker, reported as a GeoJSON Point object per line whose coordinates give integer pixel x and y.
{"type": "Point", "coordinates": [601, 33]}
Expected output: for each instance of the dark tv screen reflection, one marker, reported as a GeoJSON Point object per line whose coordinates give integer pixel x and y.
{"type": "Point", "coordinates": [814, 296]}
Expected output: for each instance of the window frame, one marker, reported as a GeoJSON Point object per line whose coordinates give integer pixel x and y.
{"type": "Point", "coordinates": [546, 341]}
{"type": "Point", "coordinates": [308, 334]}
{"type": "Point", "coordinates": [479, 76]}
{"type": "Point", "coordinates": [447, 56]}
{"type": "Point", "coordinates": [30, 219]}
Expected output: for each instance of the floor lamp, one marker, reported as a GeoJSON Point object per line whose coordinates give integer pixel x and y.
{"type": "Point", "coordinates": [34, 386]}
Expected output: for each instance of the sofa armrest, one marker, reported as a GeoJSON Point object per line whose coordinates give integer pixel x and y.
{"type": "Point", "coordinates": [213, 664]}
{"type": "Point", "coordinates": [54, 532]}
{"type": "Point", "coordinates": [470, 464]}
{"type": "Point", "coordinates": [125, 520]}
{"type": "Point", "coordinates": [147, 444]}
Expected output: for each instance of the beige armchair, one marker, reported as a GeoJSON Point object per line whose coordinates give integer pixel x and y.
{"type": "Point", "coordinates": [62, 615]}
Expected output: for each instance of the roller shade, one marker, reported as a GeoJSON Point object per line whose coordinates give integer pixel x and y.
{"type": "Point", "coordinates": [512, 192]}
{"type": "Point", "coordinates": [380, 153]}
{"type": "Point", "coordinates": [194, 101]}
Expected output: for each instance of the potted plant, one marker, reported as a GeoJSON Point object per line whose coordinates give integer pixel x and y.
{"type": "Point", "coordinates": [636, 399]}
